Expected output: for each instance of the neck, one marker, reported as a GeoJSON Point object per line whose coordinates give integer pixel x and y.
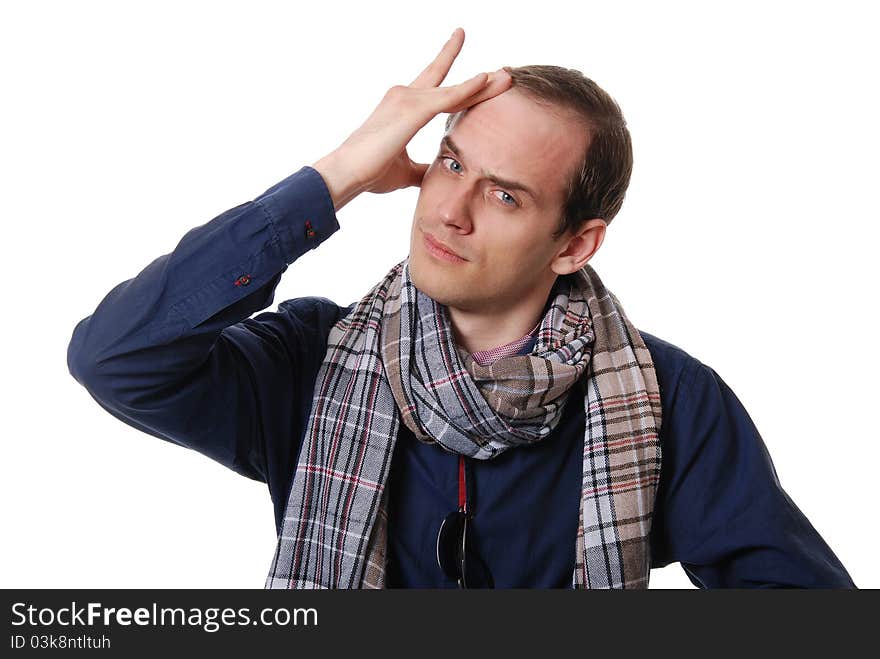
{"type": "Point", "coordinates": [476, 331]}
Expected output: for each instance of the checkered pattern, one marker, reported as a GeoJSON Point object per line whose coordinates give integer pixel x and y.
{"type": "Point", "coordinates": [486, 357]}
{"type": "Point", "coordinates": [393, 359]}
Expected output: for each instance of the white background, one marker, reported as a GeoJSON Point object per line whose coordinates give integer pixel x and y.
{"type": "Point", "coordinates": [748, 235]}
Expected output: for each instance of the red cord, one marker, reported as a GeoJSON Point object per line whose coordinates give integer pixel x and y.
{"type": "Point", "coordinates": [462, 492]}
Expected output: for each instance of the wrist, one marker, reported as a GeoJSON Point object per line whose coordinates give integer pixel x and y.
{"type": "Point", "coordinates": [341, 183]}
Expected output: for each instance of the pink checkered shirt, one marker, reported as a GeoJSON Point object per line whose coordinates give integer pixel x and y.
{"type": "Point", "coordinates": [486, 357]}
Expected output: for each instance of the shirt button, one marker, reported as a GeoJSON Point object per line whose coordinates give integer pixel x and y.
{"type": "Point", "coordinates": [244, 280]}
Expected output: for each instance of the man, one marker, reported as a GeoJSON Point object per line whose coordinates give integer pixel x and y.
{"type": "Point", "coordinates": [486, 415]}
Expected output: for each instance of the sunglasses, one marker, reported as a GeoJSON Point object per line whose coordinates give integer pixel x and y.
{"type": "Point", "coordinates": [454, 556]}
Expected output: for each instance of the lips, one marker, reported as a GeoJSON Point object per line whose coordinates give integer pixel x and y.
{"type": "Point", "coordinates": [442, 246]}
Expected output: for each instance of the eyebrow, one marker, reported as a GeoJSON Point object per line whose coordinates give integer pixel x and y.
{"type": "Point", "coordinates": [504, 183]}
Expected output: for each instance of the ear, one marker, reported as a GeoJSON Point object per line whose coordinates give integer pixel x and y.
{"type": "Point", "coordinates": [579, 248]}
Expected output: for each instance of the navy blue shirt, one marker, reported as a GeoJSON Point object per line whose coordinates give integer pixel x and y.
{"type": "Point", "coordinates": [175, 353]}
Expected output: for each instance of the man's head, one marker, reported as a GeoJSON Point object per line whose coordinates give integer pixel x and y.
{"type": "Point", "coordinates": [565, 142]}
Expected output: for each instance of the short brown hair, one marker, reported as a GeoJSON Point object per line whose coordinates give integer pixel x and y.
{"type": "Point", "coordinates": [598, 185]}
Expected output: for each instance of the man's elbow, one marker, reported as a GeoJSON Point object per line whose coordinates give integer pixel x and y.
{"type": "Point", "coordinates": [83, 362]}
{"type": "Point", "coordinates": [80, 362]}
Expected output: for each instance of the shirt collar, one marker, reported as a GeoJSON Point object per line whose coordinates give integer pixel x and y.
{"type": "Point", "coordinates": [521, 346]}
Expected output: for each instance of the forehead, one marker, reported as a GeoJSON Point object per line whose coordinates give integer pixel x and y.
{"type": "Point", "coordinates": [514, 137]}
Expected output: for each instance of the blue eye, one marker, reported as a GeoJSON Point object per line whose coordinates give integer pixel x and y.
{"type": "Point", "coordinates": [453, 160]}
{"type": "Point", "coordinates": [512, 201]}
{"type": "Point", "coordinates": [506, 199]}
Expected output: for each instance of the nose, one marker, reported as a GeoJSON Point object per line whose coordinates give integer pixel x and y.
{"type": "Point", "coordinates": [454, 208]}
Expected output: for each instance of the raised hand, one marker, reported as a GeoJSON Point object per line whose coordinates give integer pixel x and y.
{"type": "Point", "coordinates": [374, 157]}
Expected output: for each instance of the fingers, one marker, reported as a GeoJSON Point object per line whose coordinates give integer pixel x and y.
{"type": "Point", "coordinates": [439, 99]}
{"type": "Point", "coordinates": [468, 87]}
{"type": "Point", "coordinates": [436, 71]}
{"type": "Point", "coordinates": [470, 93]}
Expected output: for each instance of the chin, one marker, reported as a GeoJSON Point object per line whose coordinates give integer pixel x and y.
{"type": "Point", "coordinates": [431, 284]}
{"type": "Point", "coordinates": [426, 282]}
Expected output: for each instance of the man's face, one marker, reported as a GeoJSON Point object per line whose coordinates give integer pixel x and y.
{"type": "Point", "coordinates": [503, 233]}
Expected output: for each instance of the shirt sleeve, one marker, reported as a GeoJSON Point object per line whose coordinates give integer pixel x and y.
{"type": "Point", "coordinates": [173, 351]}
{"type": "Point", "coordinates": [721, 510]}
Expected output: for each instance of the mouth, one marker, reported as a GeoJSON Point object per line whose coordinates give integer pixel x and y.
{"type": "Point", "coordinates": [441, 251]}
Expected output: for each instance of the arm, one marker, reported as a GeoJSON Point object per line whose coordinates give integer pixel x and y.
{"type": "Point", "coordinates": [173, 352]}
{"type": "Point", "coordinates": [170, 352]}
{"type": "Point", "coordinates": [722, 512]}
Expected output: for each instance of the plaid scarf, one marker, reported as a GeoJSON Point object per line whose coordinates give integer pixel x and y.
{"type": "Point", "coordinates": [394, 358]}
